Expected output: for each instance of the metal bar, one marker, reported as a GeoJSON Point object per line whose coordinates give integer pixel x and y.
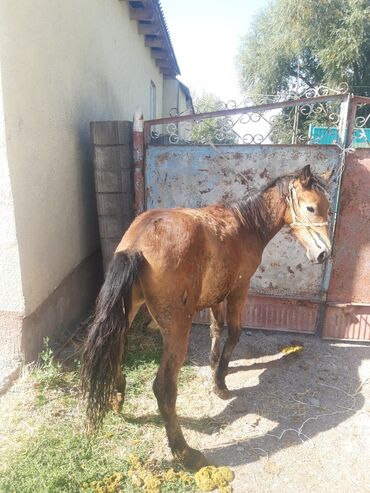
{"type": "Point", "coordinates": [361, 100]}
{"type": "Point", "coordinates": [343, 121]}
{"type": "Point", "coordinates": [351, 119]}
{"type": "Point", "coordinates": [246, 109]}
{"type": "Point", "coordinates": [138, 156]}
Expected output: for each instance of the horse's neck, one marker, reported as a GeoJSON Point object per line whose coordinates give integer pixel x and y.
{"type": "Point", "coordinates": [275, 206]}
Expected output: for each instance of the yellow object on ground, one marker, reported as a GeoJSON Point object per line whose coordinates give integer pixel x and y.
{"type": "Point", "coordinates": [291, 349]}
{"type": "Point", "coordinates": [211, 477]}
{"type": "Point", "coordinates": [111, 484]}
{"type": "Point", "coordinates": [151, 482]}
{"type": "Point", "coordinates": [207, 479]}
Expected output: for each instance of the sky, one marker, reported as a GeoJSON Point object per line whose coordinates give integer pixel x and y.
{"type": "Point", "coordinates": [205, 35]}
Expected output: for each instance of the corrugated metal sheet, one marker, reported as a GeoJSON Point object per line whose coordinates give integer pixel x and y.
{"type": "Point", "coordinates": [348, 314]}
{"type": "Point", "coordinates": [347, 322]}
{"type": "Point", "coordinates": [263, 312]}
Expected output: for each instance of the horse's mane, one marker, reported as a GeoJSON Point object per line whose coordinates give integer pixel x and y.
{"type": "Point", "coordinates": [253, 209]}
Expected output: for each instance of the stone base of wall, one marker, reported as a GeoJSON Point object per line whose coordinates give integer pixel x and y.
{"type": "Point", "coordinates": [10, 336]}
{"type": "Point", "coordinates": [21, 337]}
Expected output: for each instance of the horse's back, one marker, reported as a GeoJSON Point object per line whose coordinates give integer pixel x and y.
{"type": "Point", "coordinates": [189, 248]}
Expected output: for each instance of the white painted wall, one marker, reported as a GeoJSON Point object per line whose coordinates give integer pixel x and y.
{"type": "Point", "coordinates": [170, 95]}
{"type": "Point", "coordinates": [64, 64]}
{"type": "Point", "coordinates": [11, 295]}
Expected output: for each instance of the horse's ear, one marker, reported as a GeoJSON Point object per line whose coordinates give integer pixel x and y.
{"type": "Point", "coordinates": [327, 174]}
{"type": "Point", "coordinates": [305, 176]}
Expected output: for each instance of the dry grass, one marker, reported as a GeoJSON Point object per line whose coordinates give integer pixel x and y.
{"type": "Point", "coordinates": [44, 445]}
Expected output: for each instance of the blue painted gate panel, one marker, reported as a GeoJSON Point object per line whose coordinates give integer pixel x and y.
{"type": "Point", "coordinates": [327, 135]}
{"type": "Point", "coordinates": [194, 176]}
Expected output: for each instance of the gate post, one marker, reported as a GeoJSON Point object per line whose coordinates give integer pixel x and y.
{"type": "Point", "coordinates": [345, 129]}
{"type": "Point", "coordinates": [138, 155]}
{"type": "Point", "coordinates": [345, 111]}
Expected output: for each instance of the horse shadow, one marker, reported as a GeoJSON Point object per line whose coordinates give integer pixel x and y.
{"type": "Point", "coordinates": [278, 401]}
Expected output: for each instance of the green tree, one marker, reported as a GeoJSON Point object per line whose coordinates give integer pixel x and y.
{"type": "Point", "coordinates": [329, 40]}
{"type": "Point", "coordinates": [216, 130]}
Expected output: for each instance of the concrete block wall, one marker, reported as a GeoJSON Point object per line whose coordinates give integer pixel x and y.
{"type": "Point", "coordinates": [113, 166]}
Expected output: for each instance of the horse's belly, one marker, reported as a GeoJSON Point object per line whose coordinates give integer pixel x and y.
{"type": "Point", "coordinates": [215, 288]}
{"type": "Point", "coordinates": [224, 278]}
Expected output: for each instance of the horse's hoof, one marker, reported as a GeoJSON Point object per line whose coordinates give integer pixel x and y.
{"type": "Point", "coordinates": [223, 393]}
{"type": "Point", "coordinates": [192, 459]}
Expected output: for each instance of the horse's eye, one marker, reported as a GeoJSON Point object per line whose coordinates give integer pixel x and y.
{"type": "Point", "coordinates": [310, 209]}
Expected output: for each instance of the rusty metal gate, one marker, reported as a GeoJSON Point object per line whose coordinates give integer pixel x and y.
{"type": "Point", "coordinates": [198, 159]}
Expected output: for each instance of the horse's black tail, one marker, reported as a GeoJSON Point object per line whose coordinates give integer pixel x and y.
{"type": "Point", "coordinates": [103, 347]}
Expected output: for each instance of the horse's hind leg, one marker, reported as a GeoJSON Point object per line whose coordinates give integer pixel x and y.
{"type": "Point", "coordinates": [235, 304]}
{"type": "Point", "coordinates": [175, 344]}
{"type": "Point", "coordinates": [216, 328]}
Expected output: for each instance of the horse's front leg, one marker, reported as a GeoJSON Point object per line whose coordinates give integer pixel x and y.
{"type": "Point", "coordinates": [175, 344]}
{"type": "Point", "coordinates": [235, 304]}
{"type": "Point", "coordinates": [216, 328]}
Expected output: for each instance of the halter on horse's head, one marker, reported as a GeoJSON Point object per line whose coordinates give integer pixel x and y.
{"type": "Point", "coordinates": [307, 214]}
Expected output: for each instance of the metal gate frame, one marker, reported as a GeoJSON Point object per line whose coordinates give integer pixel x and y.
{"type": "Point", "coordinates": [349, 105]}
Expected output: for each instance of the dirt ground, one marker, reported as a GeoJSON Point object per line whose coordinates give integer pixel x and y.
{"type": "Point", "coordinates": [298, 423]}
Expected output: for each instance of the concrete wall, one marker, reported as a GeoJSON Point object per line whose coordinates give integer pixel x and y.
{"type": "Point", "coordinates": [11, 295]}
{"type": "Point", "coordinates": [74, 62]}
{"type": "Point", "coordinates": [170, 96]}
{"type": "Point", "coordinates": [183, 104]}
{"type": "Point", "coordinates": [64, 63]}
{"type": "Point", "coordinates": [173, 97]}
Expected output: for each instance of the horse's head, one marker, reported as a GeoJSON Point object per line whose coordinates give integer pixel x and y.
{"type": "Point", "coordinates": [307, 214]}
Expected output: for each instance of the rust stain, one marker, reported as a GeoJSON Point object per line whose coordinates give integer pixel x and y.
{"type": "Point", "coordinates": [162, 158]}
{"type": "Point", "coordinates": [248, 174]}
{"type": "Point", "coordinates": [350, 279]}
{"type": "Point", "coordinates": [265, 174]}
{"type": "Point", "coordinates": [226, 196]}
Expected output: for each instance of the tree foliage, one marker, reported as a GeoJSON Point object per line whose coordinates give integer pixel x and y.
{"type": "Point", "coordinates": [328, 39]}
{"type": "Point", "coordinates": [216, 130]}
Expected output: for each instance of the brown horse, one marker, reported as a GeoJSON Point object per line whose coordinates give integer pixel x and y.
{"type": "Point", "coordinates": [179, 261]}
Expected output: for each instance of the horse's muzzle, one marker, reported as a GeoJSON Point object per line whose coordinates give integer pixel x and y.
{"type": "Point", "coordinates": [318, 256]}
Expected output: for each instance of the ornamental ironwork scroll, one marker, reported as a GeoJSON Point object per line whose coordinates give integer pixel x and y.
{"type": "Point", "coordinates": [285, 125]}
{"type": "Point", "coordinates": [361, 130]}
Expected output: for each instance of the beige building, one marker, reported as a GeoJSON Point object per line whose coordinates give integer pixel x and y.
{"type": "Point", "coordinates": [64, 63]}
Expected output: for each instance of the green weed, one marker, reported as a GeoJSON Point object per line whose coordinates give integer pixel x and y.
{"type": "Point", "coordinates": [50, 450]}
